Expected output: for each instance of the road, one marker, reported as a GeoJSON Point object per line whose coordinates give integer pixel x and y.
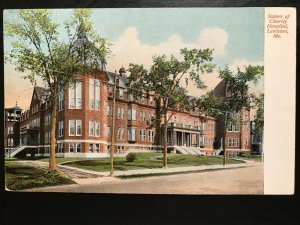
{"type": "Point", "coordinates": [247, 180]}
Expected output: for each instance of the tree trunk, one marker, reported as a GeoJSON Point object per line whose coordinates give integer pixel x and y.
{"type": "Point", "coordinates": [52, 160]}
{"type": "Point", "coordinates": [165, 163]}
{"type": "Point", "coordinates": [224, 140]}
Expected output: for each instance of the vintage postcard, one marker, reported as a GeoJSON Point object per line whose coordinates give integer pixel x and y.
{"type": "Point", "coordinates": [150, 100]}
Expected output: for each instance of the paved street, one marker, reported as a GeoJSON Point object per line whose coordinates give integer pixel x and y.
{"type": "Point", "coordinates": [247, 180]}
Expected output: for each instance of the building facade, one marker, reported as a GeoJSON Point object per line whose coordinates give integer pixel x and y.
{"type": "Point", "coordinates": [84, 122]}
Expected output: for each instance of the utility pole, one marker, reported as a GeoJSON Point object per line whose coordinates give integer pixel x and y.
{"type": "Point", "coordinates": [224, 139]}
{"type": "Point", "coordinates": [112, 140]}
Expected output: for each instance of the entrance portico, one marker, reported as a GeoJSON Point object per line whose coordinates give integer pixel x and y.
{"type": "Point", "coordinates": [180, 135]}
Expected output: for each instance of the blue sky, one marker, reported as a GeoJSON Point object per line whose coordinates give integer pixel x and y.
{"type": "Point", "coordinates": [236, 34]}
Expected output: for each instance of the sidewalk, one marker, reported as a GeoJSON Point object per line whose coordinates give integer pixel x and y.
{"type": "Point", "coordinates": [89, 177]}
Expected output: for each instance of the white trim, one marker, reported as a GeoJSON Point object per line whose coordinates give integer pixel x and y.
{"type": "Point", "coordinates": [82, 141]}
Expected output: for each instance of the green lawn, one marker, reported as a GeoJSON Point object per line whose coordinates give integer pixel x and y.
{"type": "Point", "coordinates": [148, 161]}
{"type": "Point", "coordinates": [19, 177]}
{"type": "Point", "coordinates": [59, 160]}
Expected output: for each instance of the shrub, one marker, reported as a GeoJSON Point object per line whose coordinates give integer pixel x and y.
{"type": "Point", "coordinates": [131, 157]}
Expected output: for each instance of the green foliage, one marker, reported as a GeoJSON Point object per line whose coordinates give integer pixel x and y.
{"type": "Point", "coordinates": [164, 78]}
{"type": "Point", "coordinates": [236, 94]}
{"type": "Point", "coordinates": [19, 177]}
{"type": "Point", "coordinates": [131, 157]}
{"type": "Point", "coordinates": [38, 52]}
{"type": "Point", "coordinates": [259, 117]}
{"type": "Point", "coordinates": [237, 85]}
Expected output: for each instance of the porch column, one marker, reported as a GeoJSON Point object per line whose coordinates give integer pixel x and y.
{"type": "Point", "coordinates": [174, 138]}
{"type": "Point", "coordinates": [190, 139]}
{"type": "Point", "coordinates": [182, 138]}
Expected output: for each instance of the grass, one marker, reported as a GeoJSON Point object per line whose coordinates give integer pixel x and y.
{"type": "Point", "coordinates": [59, 160]}
{"type": "Point", "coordinates": [148, 161]}
{"type": "Point", "coordinates": [20, 177]}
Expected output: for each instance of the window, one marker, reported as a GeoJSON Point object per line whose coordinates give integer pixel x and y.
{"type": "Point", "coordinates": [202, 141]}
{"type": "Point", "coordinates": [120, 133]}
{"type": "Point", "coordinates": [71, 127]}
{"type": "Point", "coordinates": [151, 135]}
{"type": "Point", "coordinates": [10, 142]}
{"type": "Point", "coordinates": [47, 120]}
{"type": "Point", "coordinates": [78, 147]}
{"type": "Point", "coordinates": [108, 131]}
{"type": "Point", "coordinates": [233, 142]}
{"type": "Point", "coordinates": [120, 149]}
{"type": "Point", "coordinates": [78, 95]}
{"type": "Point", "coordinates": [71, 147]}
{"type": "Point", "coordinates": [131, 114]}
{"type": "Point", "coordinates": [94, 94]}
{"type": "Point", "coordinates": [97, 128]}
{"type": "Point", "coordinates": [150, 118]}
{"type": "Point", "coordinates": [236, 142]}
{"type": "Point", "coordinates": [61, 100]}
{"type": "Point", "coordinates": [144, 116]}
{"type": "Point", "coordinates": [233, 127]}
{"type": "Point", "coordinates": [60, 128]}
{"type": "Point", "coordinates": [131, 134]}
{"type": "Point", "coordinates": [94, 128]}
{"type": "Point", "coordinates": [91, 148]}
{"type": "Point", "coordinates": [142, 135]}
{"type": "Point", "coordinates": [97, 94]}
{"type": "Point", "coordinates": [121, 112]}
{"type": "Point", "coordinates": [75, 126]}
{"type": "Point", "coordinates": [78, 128]}
{"type": "Point", "coordinates": [121, 93]}
{"type": "Point", "coordinates": [97, 147]}
{"type": "Point", "coordinates": [47, 136]}
{"type": "Point", "coordinates": [10, 130]}
{"type": "Point", "coordinates": [60, 147]}
{"type": "Point", "coordinates": [91, 128]}
{"type": "Point", "coordinates": [141, 116]}
{"type": "Point", "coordinates": [75, 98]}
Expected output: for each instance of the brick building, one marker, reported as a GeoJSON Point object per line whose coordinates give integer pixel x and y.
{"type": "Point", "coordinates": [11, 127]}
{"type": "Point", "coordinates": [238, 136]}
{"type": "Point", "coordinates": [84, 121]}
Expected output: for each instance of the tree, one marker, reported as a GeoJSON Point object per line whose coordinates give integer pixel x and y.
{"type": "Point", "coordinates": [259, 117]}
{"type": "Point", "coordinates": [38, 52]}
{"type": "Point", "coordinates": [164, 81]}
{"type": "Point", "coordinates": [235, 97]}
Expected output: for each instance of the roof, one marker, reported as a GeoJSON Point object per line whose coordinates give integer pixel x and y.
{"type": "Point", "coordinates": [41, 92]}
{"type": "Point", "coordinates": [122, 80]}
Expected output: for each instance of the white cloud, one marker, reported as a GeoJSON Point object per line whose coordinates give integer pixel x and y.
{"type": "Point", "coordinates": [129, 48]}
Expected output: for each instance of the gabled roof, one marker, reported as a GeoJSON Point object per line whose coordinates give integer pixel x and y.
{"type": "Point", "coordinates": [122, 80]}
{"type": "Point", "coordinates": [41, 92]}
